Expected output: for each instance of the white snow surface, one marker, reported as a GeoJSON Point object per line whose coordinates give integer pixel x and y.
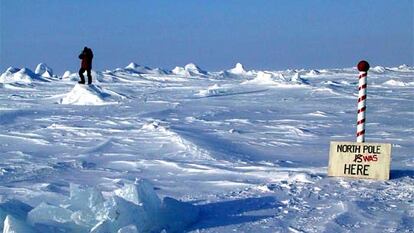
{"type": "Point", "coordinates": [144, 150]}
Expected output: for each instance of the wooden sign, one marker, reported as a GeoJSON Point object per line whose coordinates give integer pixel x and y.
{"type": "Point", "coordinates": [360, 160]}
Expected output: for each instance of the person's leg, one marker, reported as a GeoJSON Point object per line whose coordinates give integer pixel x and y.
{"type": "Point", "coordinates": [81, 71]}
{"type": "Point", "coordinates": [89, 76]}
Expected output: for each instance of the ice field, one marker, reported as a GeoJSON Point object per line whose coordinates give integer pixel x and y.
{"type": "Point", "coordinates": [188, 150]}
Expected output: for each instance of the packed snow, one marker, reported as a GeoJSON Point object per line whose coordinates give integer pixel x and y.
{"type": "Point", "coordinates": [188, 150]}
{"type": "Point", "coordinates": [90, 95]}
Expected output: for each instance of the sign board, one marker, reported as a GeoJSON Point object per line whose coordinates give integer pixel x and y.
{"type": "Point", "coordinates": [360, 160]}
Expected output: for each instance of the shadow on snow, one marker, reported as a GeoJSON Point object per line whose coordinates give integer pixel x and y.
{"type": "Point", "coordinates": [395, 174]}
{"type": "Point", "coordinates": [234, 212]}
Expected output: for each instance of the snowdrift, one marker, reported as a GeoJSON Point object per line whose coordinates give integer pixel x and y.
{"type": "Point", "coordinates": [135, 68]}
{"type": "Point", "coordinates": [21, 76]}
{"type": "Point", "coordinates": [90, 95]}
{"type": "Point", "coordinates": [269, 79]}
{"type": "Point", "coordinates": [132, 208]}
{"type": "Point", "coordinates": [133, 73]}
{"type": "Point", "coordinates": [186, 148]}
{"type": "Point", "coordinates": [190, 69]}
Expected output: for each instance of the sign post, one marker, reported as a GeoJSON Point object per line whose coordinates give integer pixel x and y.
{"type": "Point", "coordinates": [363, 68]}
{"type": "Point", "coordinates": [360, 159]}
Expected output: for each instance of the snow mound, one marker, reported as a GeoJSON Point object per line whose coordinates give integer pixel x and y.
{"type": "Point", "coordinates": [70, 76]}
{"type": "Point", "coordinates": [403, 67]}
{"type": "Point", "coordinates": [44, 70]}
{"type": "Point", "coordinates": [269, 79]}
{"type": "Point", "coordinates": [378, 69]}
{"type": "Point", "coordinates": [66, 75]}
{"type": "Point", "coordinates": [236, 72]}
{"type": "Point", "coordinates": [313, 73]}
{"type": "Point", "coordinates": [22, 76]}
{"type": "Point", "coordinates": [132, 208]}
{"type": "Point", "coordinates": [296, 78]}
{"type": "Point", "coordinates": [138, 68]}
{"type": "Point", "coordinates": [132, 66]}
{"type": "Point", "coordinates": [238, 69]}
{"type": "Point", "coordinates": [190, 69]}
{"type": "Point", "coordinates": [263, 78]}
{"type": "Point", "coordinates": [179, 70]}
{"type": "Point", "coordinates": [194, 69]}
{"type": "Point", "coordinates": [214, 90]}
{"type": "Point", "coordinates": [90, 95]}
{"type": "Point", "coordinates": [155, 125]}
{"type": "Point", "coordinates": [143, 69]}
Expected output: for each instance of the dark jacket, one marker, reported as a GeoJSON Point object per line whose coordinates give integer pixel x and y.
{"type": "Point", "coordinates": [86, 57]}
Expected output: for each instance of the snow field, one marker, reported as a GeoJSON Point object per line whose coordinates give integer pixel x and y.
{"type": "Point", "coordinates": [238, 150]}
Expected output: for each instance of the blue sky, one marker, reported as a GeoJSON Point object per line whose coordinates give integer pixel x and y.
{"type": "Point", "coordinates": [215, 34]}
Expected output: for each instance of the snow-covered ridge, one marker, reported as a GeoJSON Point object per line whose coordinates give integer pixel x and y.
{"type": "Point", "coordinates": [45, 73]}
{"type": "Point", "coordinates": [277, 80]}
{"type": "Point", "coordinates": [22, 76]}
{"type": "Point", "coordinates": [190, 69]}
{"type": "Point", "coordinates": [143, 69]}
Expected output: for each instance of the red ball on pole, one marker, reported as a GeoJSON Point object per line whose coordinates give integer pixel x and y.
{"type": "Point", "coordinates": [363, 66]}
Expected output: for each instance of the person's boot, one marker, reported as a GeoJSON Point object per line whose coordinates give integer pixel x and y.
{"type": "Point", "coordinates": [82, 82]}
{"type": "Point", "coordinates": [89, 79]}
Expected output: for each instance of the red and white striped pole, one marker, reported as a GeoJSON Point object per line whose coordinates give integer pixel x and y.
{"type": "Point", "coordinates": [363, 68]}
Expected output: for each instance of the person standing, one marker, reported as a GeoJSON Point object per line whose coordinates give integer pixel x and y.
{"type": "Point", "coordinates": [86, 65]}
